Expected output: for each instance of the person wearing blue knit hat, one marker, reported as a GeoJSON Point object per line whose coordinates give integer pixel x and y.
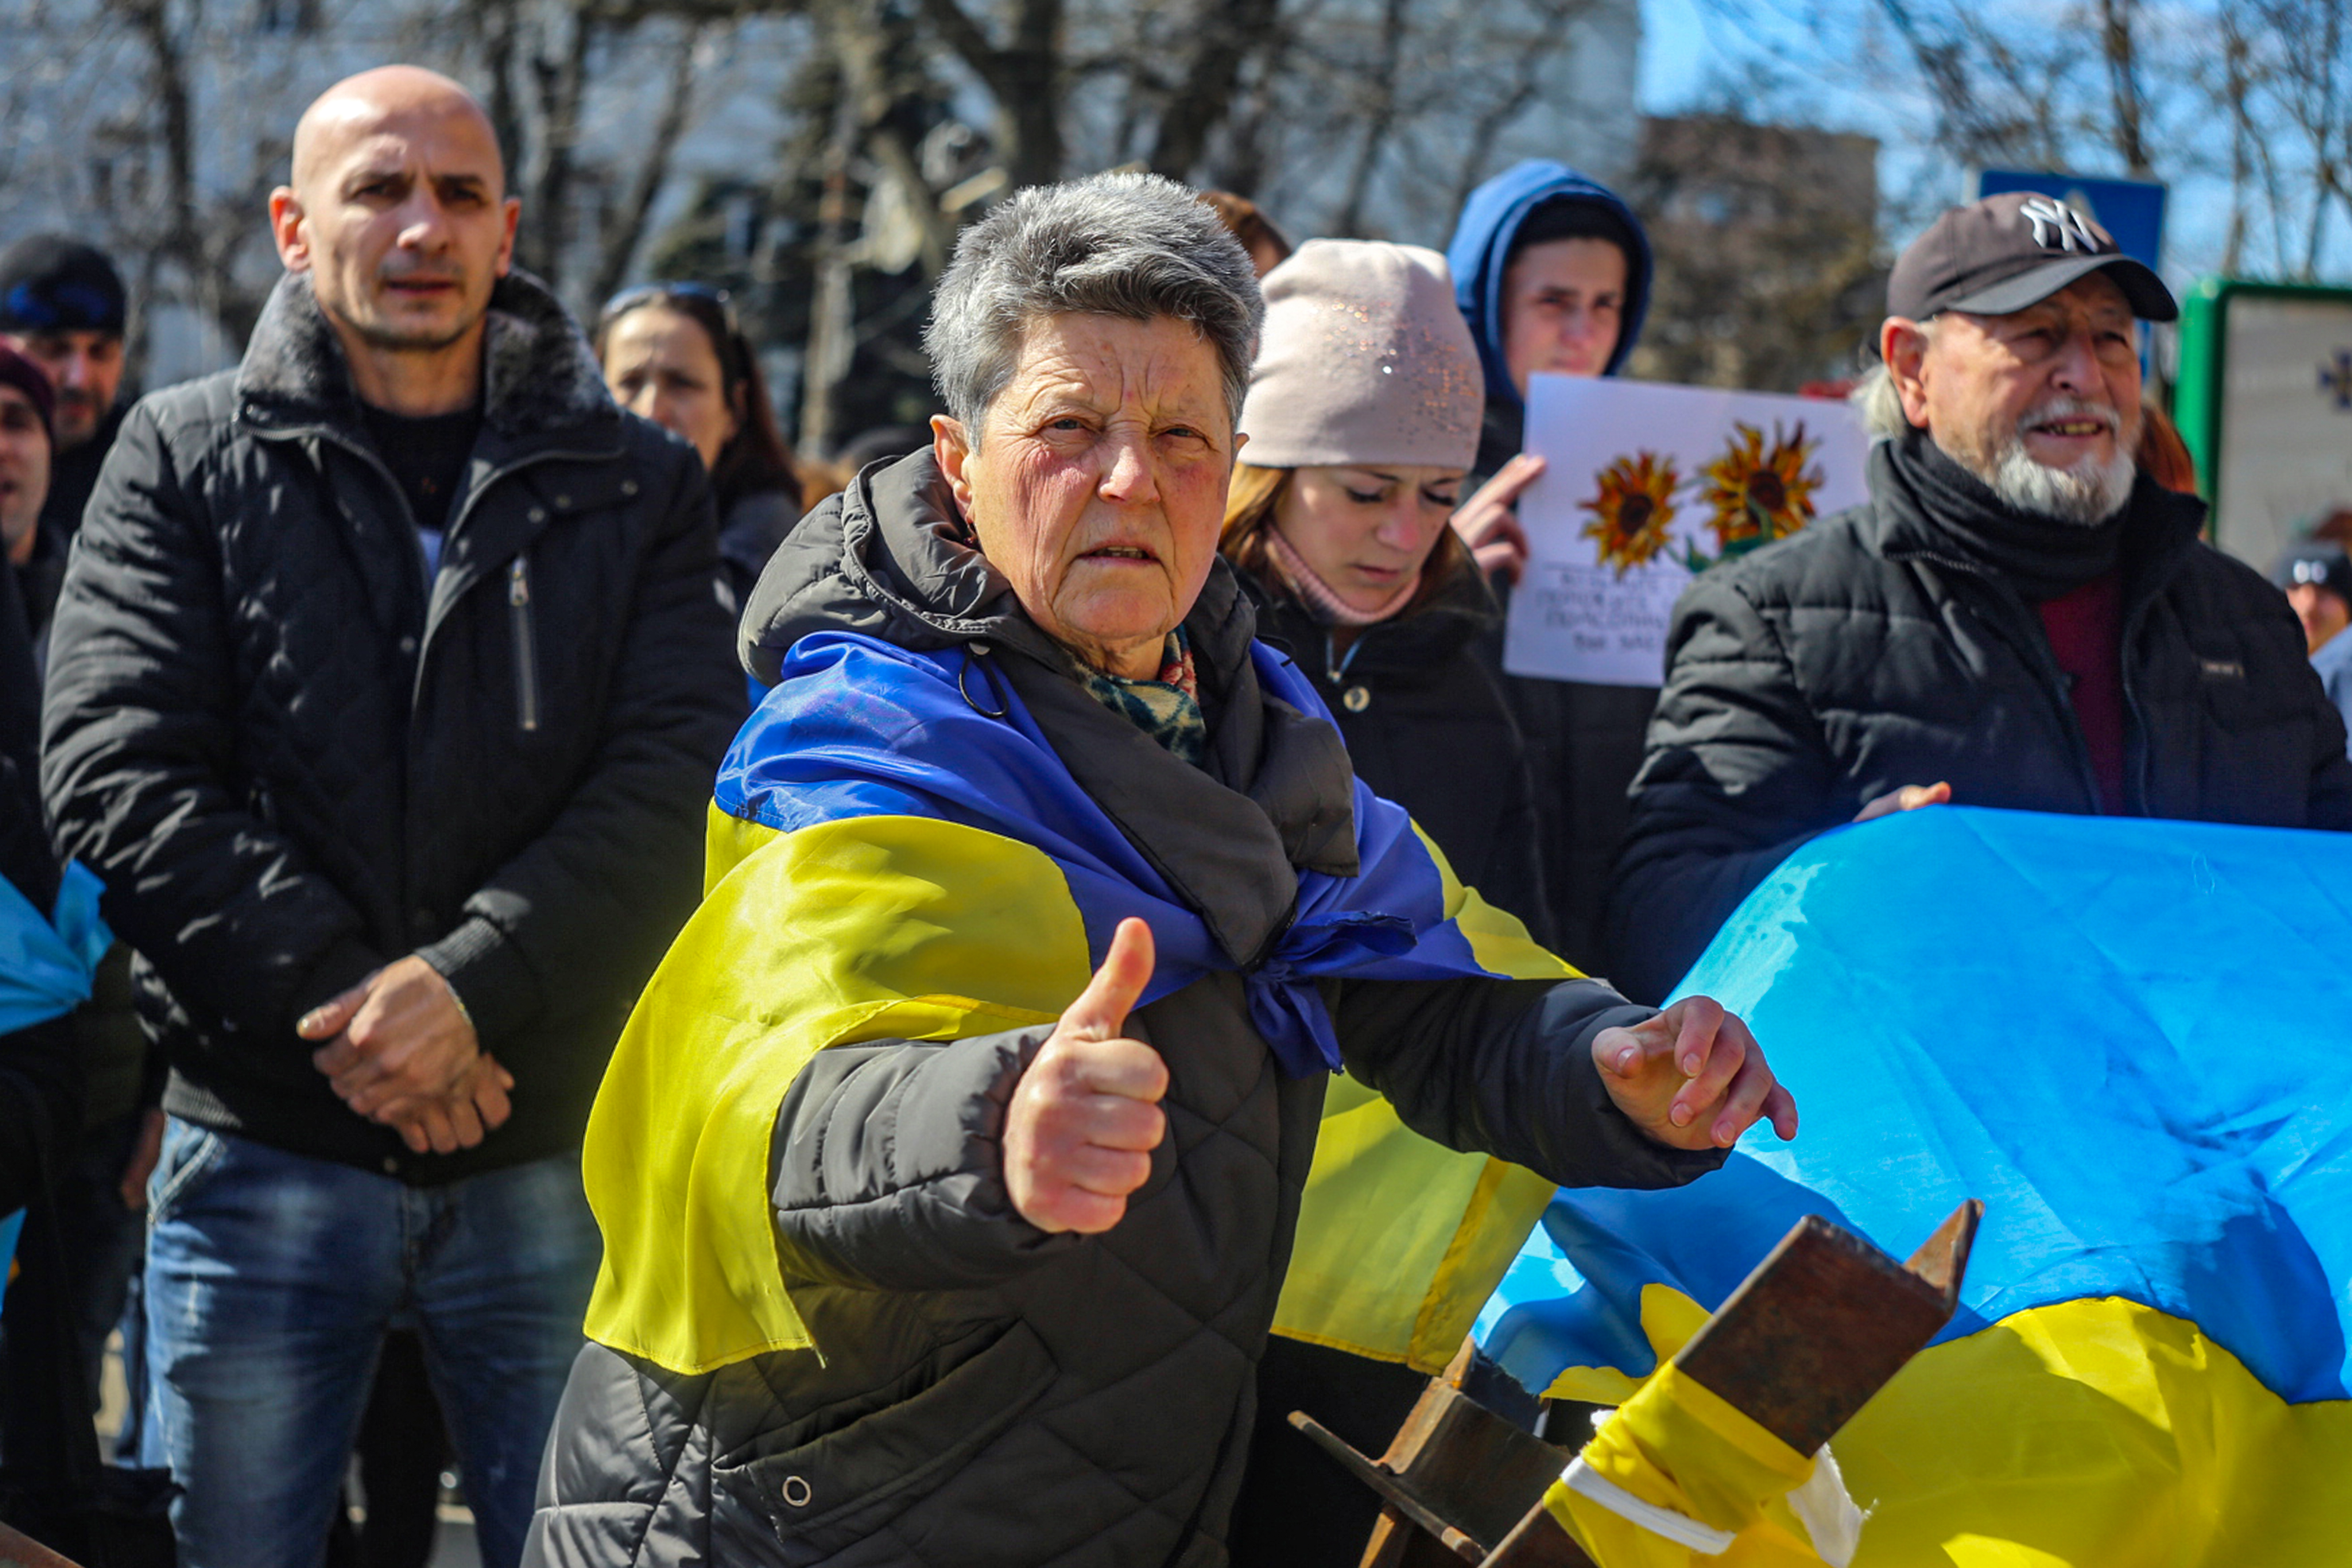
{"type": "Point", "coordinates": [1552, 271]}
{"type": "Point", "coordinates": [63, 306]}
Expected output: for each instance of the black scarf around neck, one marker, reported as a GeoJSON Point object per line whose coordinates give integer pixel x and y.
{"type": "Point", "coordinates": [2043, 557]}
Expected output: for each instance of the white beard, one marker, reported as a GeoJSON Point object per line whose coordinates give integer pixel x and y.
{"type": "Point", "coordinates": [2086, 495]}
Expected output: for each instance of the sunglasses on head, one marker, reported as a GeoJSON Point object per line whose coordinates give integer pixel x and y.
{"type": "Point", "coordinates": [628, 299]}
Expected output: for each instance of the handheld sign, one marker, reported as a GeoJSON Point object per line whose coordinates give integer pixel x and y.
{"type": "Point", "coordinates": [1644, 485]}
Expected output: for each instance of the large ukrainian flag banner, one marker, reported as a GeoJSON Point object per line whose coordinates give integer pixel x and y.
{"type": "Point", "coordinates": [2133, 1041]}
{"type": "Point", "coordinates": [897, 851]}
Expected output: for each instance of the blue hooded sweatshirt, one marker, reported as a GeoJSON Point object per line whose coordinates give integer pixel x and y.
{"type": "Point", "coordinates": [1482, 244]}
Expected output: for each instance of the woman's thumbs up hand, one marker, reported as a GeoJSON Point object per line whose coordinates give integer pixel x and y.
{"type": "Point", "coordinates": [1085, 1117]}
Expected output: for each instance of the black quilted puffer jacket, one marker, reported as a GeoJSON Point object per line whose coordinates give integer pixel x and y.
{"type": "Point", "coordinates": [1427, 726]}
{"type": "Point", "coordinates": [991, 1397]}
{"type": "Point", "coordinates": [1872, 651]}
{"type": "Point", "coordinates": [292, 760]}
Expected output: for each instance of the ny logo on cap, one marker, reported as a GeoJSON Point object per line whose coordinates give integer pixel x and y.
{"type": "Point", "coordinates": [2045, 214]}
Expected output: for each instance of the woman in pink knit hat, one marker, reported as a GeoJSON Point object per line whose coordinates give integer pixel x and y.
{"type": "Point", "coordinates": [1363, 417]}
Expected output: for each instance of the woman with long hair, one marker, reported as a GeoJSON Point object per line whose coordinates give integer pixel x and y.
{"type": "Point", "coordinates": [1363, 418]}
{"type": "Point", "coordinates": [675, 354]}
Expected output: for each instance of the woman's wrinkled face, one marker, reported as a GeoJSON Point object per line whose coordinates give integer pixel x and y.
{"type": "Point", "coordinates": [661, 364]}
{"type": "Point", "coordinates": [1097, 484]}
{"type": "Point", "coordinates": [1366, 530]}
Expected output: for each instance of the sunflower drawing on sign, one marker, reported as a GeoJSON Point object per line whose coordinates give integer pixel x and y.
{"type": "Point", "coordinates": [1631, 511]}
{"type": "Point", "coordinates": [1756, 495]}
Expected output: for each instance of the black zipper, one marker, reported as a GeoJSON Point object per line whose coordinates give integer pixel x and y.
{"type": "Point", "coordinates": [526, 645]}
{"type": "Point", "coordinates": [449, 535]}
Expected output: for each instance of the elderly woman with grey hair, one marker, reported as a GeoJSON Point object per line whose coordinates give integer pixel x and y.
{"type": "Point", "coordinates": [950, 1168]}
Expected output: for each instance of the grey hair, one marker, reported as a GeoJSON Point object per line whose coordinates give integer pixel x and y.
{"type": "Point", "coordinates": [1879, 403]}
{"type": "Point", "coordinates": [1133, 245]}
{"type": "Point", "coordinates": [1875, 397]}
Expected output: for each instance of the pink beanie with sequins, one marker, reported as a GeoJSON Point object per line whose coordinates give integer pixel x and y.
{"type": "Point", "coordinates": [1364, 359]}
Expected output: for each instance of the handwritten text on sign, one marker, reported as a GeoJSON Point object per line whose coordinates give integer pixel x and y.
{"type": "Point", "coordinates": [1644, 485]}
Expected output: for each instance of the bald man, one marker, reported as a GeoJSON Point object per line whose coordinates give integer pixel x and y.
{"type": "Point", "coordinates": [385, 692]}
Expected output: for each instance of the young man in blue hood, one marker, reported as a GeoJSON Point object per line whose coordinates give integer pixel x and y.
{"type": "Point", "coordinates": [1552, 272]}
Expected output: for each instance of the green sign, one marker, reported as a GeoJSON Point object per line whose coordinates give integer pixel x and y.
{"type": "Point", "coordinates": [2265, 401]}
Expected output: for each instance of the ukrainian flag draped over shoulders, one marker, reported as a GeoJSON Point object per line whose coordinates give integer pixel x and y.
{"type": "Point", "coordinates": [895, 851]}
{"type": "Point", "coordinates": [2126, 1037]}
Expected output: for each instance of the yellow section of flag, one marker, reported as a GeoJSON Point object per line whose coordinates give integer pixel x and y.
{"type": "Point", "coordinates": [912, 928]}
{"type": "Point", "coordinates": [2097, 1433]}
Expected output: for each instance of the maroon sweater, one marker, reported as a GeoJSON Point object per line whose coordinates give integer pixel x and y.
{"type": "Point", "coordinates": [2085, 629]}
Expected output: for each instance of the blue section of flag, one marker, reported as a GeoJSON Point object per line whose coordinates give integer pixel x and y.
{"type": "Point", "coordinates": [2126, 1037]}
{"type": "Point", "coordinates": [47, 961]}
{"type": "Point", "coordinates": [11, 1225]}
{"type": "Point", "coordinates": [857, 727]}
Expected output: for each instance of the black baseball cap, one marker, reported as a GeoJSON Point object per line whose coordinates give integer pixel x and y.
{"type": "Point", "coordinates": [2319, 563]}
{"type": "Point", "coordinates": [51, 283]}
{"type": "Point", "coordinates": [2009, 251]}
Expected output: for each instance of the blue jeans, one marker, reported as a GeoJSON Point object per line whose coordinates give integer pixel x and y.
{"type": "Point", "coordinates": [271, 1280]}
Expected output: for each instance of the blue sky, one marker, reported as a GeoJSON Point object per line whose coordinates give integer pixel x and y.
{"type": "Point", "coordinates": [1684, 50]}
{"type": "Point", "coordinates": [1677, 50]}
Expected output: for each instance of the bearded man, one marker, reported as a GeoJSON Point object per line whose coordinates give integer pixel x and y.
{"type": "Point", "coordinates": [2018, 617]}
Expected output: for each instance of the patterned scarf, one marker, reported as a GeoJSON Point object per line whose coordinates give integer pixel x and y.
{"type": "Point", "coordinates": [1167, 707]}
{"type": "Point", "coordinates": [1321, 598]}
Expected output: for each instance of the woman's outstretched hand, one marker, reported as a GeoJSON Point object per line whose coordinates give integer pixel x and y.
{"type": "Point", "coordinates": [1693, 1076]}
{"type": "Point", "coordinates": [1086, 1116]}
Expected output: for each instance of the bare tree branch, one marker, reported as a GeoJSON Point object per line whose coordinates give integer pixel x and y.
{"type": "Point", "coordinates": [1380, 116]}
{"type": "Point", "coordinates": [2121, 48]}
{"type": "Point", "coordinates": [1024, 77]}
{"type": "Point", "coordinates": [624, 229]}
{"type": "Point", "coordinates": [1228, 33]}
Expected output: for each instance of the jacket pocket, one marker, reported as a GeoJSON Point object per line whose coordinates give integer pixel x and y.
{"type": "Point", "coordinates": [526, 643]}
{"type": "Point", "coordinates": [825, 1495]}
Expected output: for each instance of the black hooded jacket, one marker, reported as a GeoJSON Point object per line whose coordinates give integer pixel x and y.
{"type": "Point", "coordinates": [1873, 650]}
{"type": "Point", "coordinates": [1583, 741]}
{"type": "Point", "coordinates": [990, 1396]}
{"type": "Point", "coordinates": [292, 759]}
{"type": "Point", "coordinates": [1427, 726]}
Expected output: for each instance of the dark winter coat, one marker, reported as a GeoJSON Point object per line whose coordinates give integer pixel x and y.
{"type": "Point", "coordinates": [74, 476]}
{"type": "Point", "coordinates": [1867, 653]}
{"type": "Point", "coordinates": [1583, 741]}
{"type": "Point", "coordinates": [991, 1397]}
{"type": "Point", "coordinates": [292, 760]}
{"type": "Point", "coordinates": [749, 531]}
{"type": "Point", "coordinates": [2333, 663]}
{"type": "Point", "coordinates": [41, 1078]}
{"type": "Point", "coordinates": [39, 582]}
{"type": "Point", "coordinates": [1427, 726]}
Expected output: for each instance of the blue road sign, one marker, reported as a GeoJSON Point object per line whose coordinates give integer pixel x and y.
{"type": "Point", "coordinates": [2131, 210]}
